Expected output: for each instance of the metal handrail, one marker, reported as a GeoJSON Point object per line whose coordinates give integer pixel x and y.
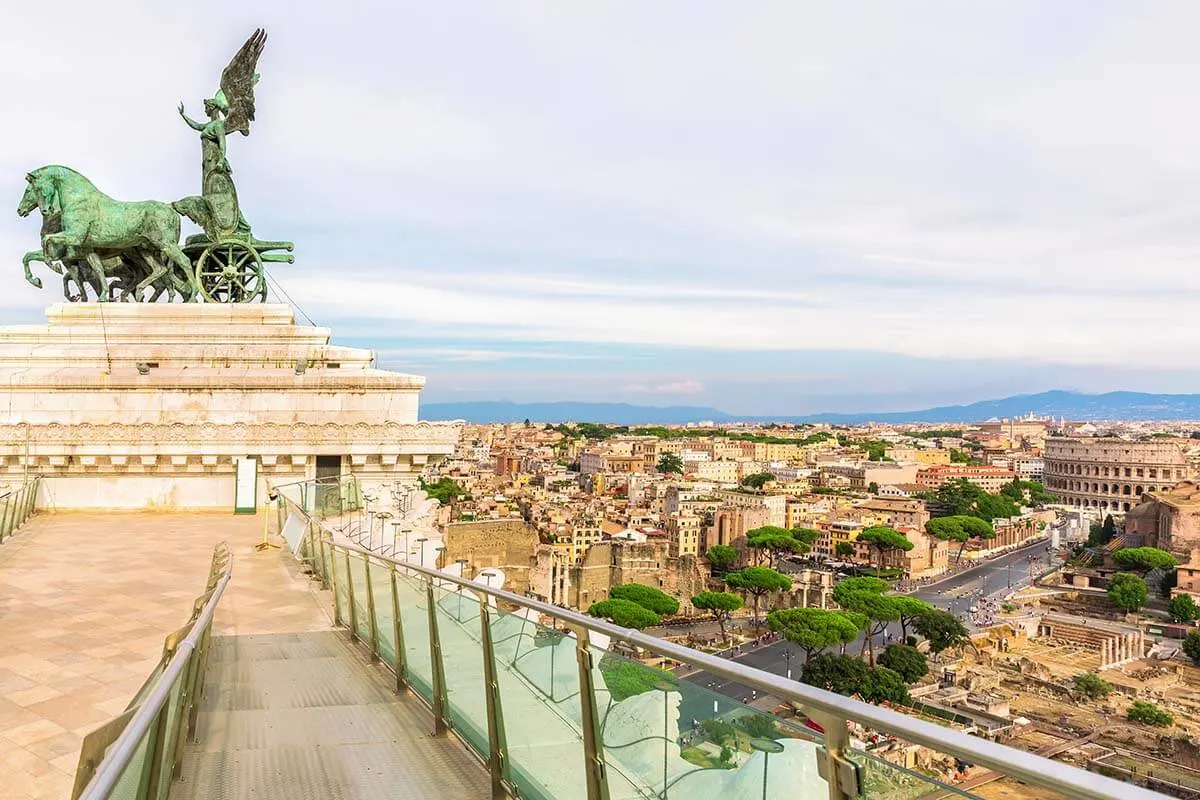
{"type": "Point", "coordinates": [1029, 767]}
{"type": "Point", "coordinates": [18, 505]}
{"type": "Point", "coordinates": [118, 757]}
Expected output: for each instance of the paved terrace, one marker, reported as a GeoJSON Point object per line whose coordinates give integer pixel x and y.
{"type": "Point", "coordinates": [85, 603]}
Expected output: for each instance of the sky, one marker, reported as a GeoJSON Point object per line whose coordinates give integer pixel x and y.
{"type": "Point", "coordinates": [768, 208]}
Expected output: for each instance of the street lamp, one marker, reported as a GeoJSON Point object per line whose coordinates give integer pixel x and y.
{"type": "Point", "coordinates": [666, 688]}
{"type": "Point", "coordinates": [383, 516]}
{"type": "Point", "coordinates": [766, 747]}
{"type": "Point", "coordinates": [421, 544]}
{"type": "Point", "coordinates": [788, 655]}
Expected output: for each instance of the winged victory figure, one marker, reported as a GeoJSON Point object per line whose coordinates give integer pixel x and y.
{"type": "Point", "coordinates": [230, 109]}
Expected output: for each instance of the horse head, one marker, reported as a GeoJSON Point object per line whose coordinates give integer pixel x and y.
{"type": "Point", "coordinates": [41, 193]}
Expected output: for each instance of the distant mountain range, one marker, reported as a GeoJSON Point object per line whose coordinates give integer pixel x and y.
{"type": "Point", "coordinates": [1058, 403]}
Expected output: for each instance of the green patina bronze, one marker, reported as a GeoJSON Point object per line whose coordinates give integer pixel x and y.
{"type": "Point", "coordinates": [107, 249]}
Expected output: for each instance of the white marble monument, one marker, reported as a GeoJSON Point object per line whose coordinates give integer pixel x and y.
{"type": "Point", "coordinates": [150, 406]}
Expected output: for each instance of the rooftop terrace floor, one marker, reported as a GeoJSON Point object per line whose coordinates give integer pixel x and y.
{"type": "Point", "coordinates": [86, 601]}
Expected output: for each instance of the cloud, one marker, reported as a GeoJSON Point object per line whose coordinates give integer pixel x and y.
{"type": "Point", "coordinates": [1009, 185]}
{"type": "Point", "coordinates": [672, 387]}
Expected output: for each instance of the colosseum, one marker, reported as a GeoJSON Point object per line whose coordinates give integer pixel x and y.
{"type": "Point", "coordinates": [1111, 474]}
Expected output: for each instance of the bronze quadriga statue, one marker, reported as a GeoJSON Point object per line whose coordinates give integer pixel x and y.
{"type": "Point", "coordinates": [106, 249]}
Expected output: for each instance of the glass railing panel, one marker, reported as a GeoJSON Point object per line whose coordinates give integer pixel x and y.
{"type": "Point", "coordinates": [462, 664]}
{"type": "Point", "coordinates": [293, 492]}
{"type": "Point", "coordinates": [410, 591]}
{"type": "Point", "coordinates": [130, 785]}
{"type": "Point", "coordinates": [172, 732]}
{"type": "Point", "coordinates": [538, 676]}
{"type": "Point", "coordinates": [325, 551]}
{"type": "Point", "coordinates": [358, 580]}
{"type": "Point", "coordinates": [381, 591]}
{"type": "Point", "coordinates": [341, 583]}
{"type": "Point", "coordinates": [6, 519]}
{"type": "Point", "coordinates": [888, 771]}
{"type": "Point", "coordinates": [667, 737]}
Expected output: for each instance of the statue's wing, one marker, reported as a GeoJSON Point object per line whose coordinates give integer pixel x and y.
{"type": "Point", "coordinates": [237, 84]}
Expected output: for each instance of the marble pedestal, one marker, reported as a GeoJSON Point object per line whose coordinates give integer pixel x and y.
{"type": "Point", "coordinates": [140, 406]}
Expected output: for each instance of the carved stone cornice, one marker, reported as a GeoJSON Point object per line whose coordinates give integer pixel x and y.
{"type": "Point", "coordinates": [361, 433]}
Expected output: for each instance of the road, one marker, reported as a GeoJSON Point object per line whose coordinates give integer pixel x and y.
{"type": "Point", "coordinates": [955, 593]}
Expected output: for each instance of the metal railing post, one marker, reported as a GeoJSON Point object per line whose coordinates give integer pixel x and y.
{"type": "Point", "coordinates": [333, 582]}
{"type": "Point", "coordinates": [4, 531]}
{"type": "Point", "coordinates": [841, 774]}
{"type": "Point", "coordinates": [497, 743]}
{"type": "Point", "coordinates": [186, 700]}
{"type": "Point", "coordinates": [33, 487]}
{"type": "Point", "coordinates": [371, 609]}
{"type": "Point", "coordinates": [593, 747]}
{"type": "Point", "coordinates": [441, 721]}
{"type": "Point", "coordinates": [350, 595]}
{"type": "Point", "coordinates": [397, 631]}
{"type": "Point", "coordinates": [18, 515]}
{"type": "Point", "coordinates": [154, 755]}
{"type": "Point", "coordinates": [326, 566]}
{"type": "Point", "coordinates": [19, 508]}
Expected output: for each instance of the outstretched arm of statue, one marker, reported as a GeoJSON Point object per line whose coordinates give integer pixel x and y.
{"type": "Point", "coordinates": [196, 126]}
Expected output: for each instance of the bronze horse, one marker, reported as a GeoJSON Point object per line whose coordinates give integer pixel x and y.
{"type": "Point", "coordinates": [82, 225]}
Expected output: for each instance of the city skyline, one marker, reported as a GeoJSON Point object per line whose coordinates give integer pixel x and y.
{"type": "Point", "coordinates": [784, 210]}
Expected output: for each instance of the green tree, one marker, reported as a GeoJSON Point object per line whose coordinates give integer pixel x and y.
{"type": "Point", "coordinates": [1027, 493]}
{"type": "Point", "coordinates": [670, 464]}
{"type": "Point", "coordinates": [774, 542]}
{"type": "Point", "coordinates": [758, 480]}
{"type": "Point", "coordinates": [720, 604]}
{"type": "Point", "coordinates": [1149, 714]}
{"type": "Point", "coordinates": [721, 557]}
{"type": "Point", "coordinates": [873, 487]}
{"type": "Point", "coordinates": [1091, 686]}
{"type": "Point", "coordinates": [1191, 646]}
{"type": "Point", "coordinates": [815, 630]}
{"type": "Point", "coordinates": [866, 596]}
{"type": "Point", "coordinates": [941, 629]}
{"type": "Point", "coordinates": [1144, 559]}
{"type": "Point", "coordinates": [843, 550]}
{"type": "Point", "coordinates": [718, 731]}
{"type": "Point", "coordinates": [758, 581]}
{"type": "Point", "coordinates": [444, 490]}
{"type": "Point", "coordinates": [1128, 591]}
{"type": "Point", "coordinates": [883, 685]}
{"type": "Point", "coordinates": [883, 540]}
{"type": "Point", "coordinates": [1103, 533]}
{"type": "Point", "coordinates": [960, 528]}
{"type": "Point", "coordinates": [959, 457]}
{"type": "Point", "coordinates": [1183, 608]}
{"type": "Point", "coordinates": [758, 726]}
{"type": "Point", "coordinates": [625, 613]}
{"type": "Point", "coordinates": [835, 673]}
{"type": "Point", "coordinates": [627, 678]}
{"type": "Point", "coordinates": [647, 597]}
{"type": "Point", "coordinates": [910, 608]}
{"type": "Point", "coordinates": [906, 661]}
{"type": "Point", "coordinates": [962, 498]}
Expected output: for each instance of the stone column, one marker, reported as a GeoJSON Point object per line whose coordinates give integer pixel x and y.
{"type": "Point", "coordinates": [1105, 653]}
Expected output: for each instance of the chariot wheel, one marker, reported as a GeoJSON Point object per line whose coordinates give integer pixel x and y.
{"type": "Point", "coordinates": [231, 271]}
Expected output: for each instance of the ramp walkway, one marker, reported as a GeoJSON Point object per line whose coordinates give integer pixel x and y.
{"type": "Point", "coordinates": [306, 715]}
{"type": "Point", "coordinates": [86, 601]}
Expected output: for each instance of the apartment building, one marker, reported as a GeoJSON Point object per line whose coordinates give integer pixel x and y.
{"type": "Point", "coordinates": [990, 479]}
{"type": "Point", "coordinates": [775, 505]}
